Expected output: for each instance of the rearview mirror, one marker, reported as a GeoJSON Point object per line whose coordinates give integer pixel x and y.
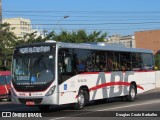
{"type": "Point", "coordinates": [66, 61]}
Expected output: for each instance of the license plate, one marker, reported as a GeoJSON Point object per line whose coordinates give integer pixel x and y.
{"type": "Point", "coordinates": [30, 103]}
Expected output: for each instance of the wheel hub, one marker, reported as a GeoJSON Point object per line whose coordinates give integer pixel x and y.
{"type": "Point", "coordinates": [81, 99]}
{"type": "Point", "coordinates": [133, 93]}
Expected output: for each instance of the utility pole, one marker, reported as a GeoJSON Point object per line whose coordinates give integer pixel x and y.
{"type": "Point", "coordinates": [64, 17]}
{"type": "Point", "coordinates": [44, 32]}
{"type": "Point", "coordinates": [0, 11]}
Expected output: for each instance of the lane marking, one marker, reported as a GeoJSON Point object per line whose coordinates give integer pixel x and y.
{"type": "Point", "coordinates": [134, 105]}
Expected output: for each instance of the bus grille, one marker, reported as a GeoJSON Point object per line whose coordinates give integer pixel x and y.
{"type": "Point", "coordinates": [35, 100]}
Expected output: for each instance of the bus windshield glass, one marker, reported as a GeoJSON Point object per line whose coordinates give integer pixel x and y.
{"type": "Point", "coordinates": [33, 69]}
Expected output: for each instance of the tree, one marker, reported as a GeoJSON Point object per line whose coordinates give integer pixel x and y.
{"type": "Point", "coordinates": [80, 36]}
{"type": "Point", "coordinates": [157, 60]}
{"type": "Point", "coordinates": [8, 40]}
{"type": "Point", "coordinates": [7, 43]}
{"type": "Point", "coordinates": [29, 38]}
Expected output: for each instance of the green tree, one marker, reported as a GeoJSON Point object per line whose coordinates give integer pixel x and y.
{"type": "Point", "coordinates": [7, 43]}
{"type": "Point", "coordinates": [29, 38]}
{"type": "Point", "coordinates": [80, 36]}
{"type": "Point", "coordinates": [157, 60]}
{"type": "Point", "coordinates": [8, 40]}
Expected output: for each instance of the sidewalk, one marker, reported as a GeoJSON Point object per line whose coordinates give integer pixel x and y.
{"type": "Point", "coordinates": [154, 93]}
{"type": "Point", "coordinates": [153, 90]}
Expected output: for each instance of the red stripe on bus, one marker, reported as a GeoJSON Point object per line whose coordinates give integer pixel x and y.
{"type": "Point", "coordinates": [83, 73]}
{"type": "Point", "coordinates": [140, 87]}
{"type": "Point", "coordinates": [112, 84]}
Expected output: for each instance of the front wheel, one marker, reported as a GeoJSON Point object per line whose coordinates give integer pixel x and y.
{"type": "Point", "coordinates": [81, 100]}
{"type": "Point", "coordinates": [132, 93]}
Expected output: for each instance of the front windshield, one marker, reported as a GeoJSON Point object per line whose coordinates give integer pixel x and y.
{"type": "Point", "coordinates": [33, 69]}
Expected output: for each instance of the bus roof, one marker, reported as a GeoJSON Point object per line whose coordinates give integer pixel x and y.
{"type": "Point", "coordinates": [5, 73]}
{"type": "Point", "coordinates": [93, 46]}
{"type": "Point", "coordinates": [101, 46]}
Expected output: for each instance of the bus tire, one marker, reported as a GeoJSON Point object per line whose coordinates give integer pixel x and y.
{"type": "Point", "coordinates": [132, 93]}
{"type": "Point", "coordinates": [44, 107]}
{"type": "Point", "coordinates": [81, 99]}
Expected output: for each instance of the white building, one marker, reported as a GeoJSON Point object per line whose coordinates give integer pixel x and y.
{"type": "Point", "coordinates": [128, 41]}
{"type": "Point", "coordinates": [23, 26]}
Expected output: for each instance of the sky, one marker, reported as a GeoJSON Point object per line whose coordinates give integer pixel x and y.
{"type": "Point", "coordinates": [123, 17]}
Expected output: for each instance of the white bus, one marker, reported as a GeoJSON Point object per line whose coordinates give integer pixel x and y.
{"type": "Point", "coordinates": [56, 73]}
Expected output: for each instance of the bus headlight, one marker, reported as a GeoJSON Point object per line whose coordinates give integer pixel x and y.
{"type": "Point", "coordinates": [51, 91]}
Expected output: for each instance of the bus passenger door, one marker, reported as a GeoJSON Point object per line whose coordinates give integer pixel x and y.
{"type": "Point", "coordinates": [65, 72]}
{"type": "Point", "coordinates": [65, 68]}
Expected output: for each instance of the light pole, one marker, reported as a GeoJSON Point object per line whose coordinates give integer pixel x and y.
{"type": "Point", "coordinates": [64, 17]}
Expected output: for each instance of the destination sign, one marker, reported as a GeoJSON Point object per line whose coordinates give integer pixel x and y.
{"type": "Point", "coordinates": [34, 49]}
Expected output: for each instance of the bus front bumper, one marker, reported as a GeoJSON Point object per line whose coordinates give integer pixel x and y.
{"type": "Point", "coordinates": [38, 100]}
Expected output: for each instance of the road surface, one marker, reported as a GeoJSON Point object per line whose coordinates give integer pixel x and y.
{"type": "Point", "coordinates": [146, 104]}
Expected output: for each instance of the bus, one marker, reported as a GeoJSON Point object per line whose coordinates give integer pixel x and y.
{"type": "Point", "coordinates": [5, 78]}
{"type": "Point", "coordinates": [56, 73]}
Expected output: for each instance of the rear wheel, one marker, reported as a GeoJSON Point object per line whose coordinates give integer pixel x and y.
{"type": "Point", "coordinates": [132, 93]}
{"type": "Point", "coordinates": [82, 99]}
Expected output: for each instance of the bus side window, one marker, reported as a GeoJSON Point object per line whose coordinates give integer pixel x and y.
{"type": "Point", "coordinates": [136, 61]}
{"type": "Point", "coordinates": [147, 61]}
{"type": "Point", "coordinates": [125, 59]}
{"type": "Point", "coordinates": [80, 66]}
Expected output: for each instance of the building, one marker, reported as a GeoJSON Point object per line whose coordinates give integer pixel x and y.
{"type": "Point", "coordinates": [148, 39]}
{"type": "Point", "coordinates": [128, 41]}
{"type": "Point", "coordinates": [0, 11]}
{"type": "Point", "coordinates": [22, 26]}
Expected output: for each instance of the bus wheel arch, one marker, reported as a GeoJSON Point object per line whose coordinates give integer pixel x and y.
{"type": "Point", "coordinates": [82, 97]}
{"type": "Point", "coordinates": [135, 85]}
{"type": "Point", "coordinates": [132, 92]}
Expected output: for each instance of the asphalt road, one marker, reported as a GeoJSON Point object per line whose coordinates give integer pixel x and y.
{"type": "Point", "coordinates": [116, 108]}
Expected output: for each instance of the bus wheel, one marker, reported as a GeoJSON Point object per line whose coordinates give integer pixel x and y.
{"type": "Point", "coordinates": [81, 100]}
{"type": "Point", "coordinates": [44, 107]}
{"type": "Point", "coordinates": [132, 93]}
